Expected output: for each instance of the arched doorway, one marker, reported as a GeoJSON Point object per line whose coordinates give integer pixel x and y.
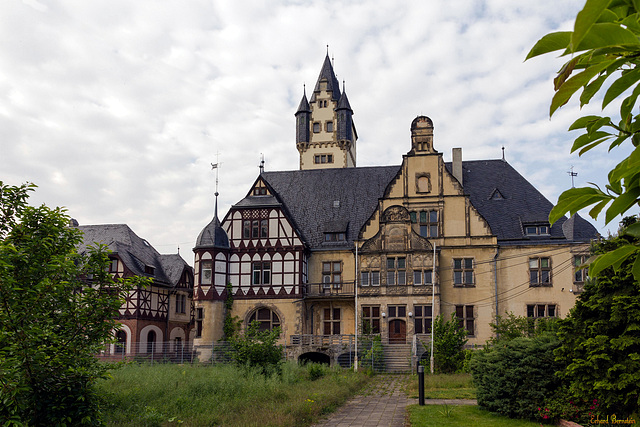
{"type": "Point", "coordinates": [315, 357]}
{"type": "Point", "coordinates": [151, 340]}
{"type": "Point", "coordinates": [397, 331]}
{"type": "Point", "coordinates": [121, 342]}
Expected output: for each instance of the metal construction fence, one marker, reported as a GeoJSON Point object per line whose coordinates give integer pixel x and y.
{"type": "Point", "coordinates": [335, 350]}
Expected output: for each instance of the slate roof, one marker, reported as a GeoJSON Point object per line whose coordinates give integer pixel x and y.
{"type": "Point", "coordinates": [135, 252]}
{"type": "Point", "coordinates": [326, 200]}
{"type": "Point", "coordinates": [332, 82]}
{"type": "Point", "coordinates": [212, 236]}
{"type": "Point", "coordinates": [508, 202]}
{"type": "Point", "coordinates": [503, 197]}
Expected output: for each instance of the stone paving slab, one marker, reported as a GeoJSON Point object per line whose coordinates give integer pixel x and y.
{"type": "Point", "coordinates": [383, 403]}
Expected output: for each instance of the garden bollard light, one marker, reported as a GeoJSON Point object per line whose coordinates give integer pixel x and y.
{"type": "Point", "coordinates": [421, 385]}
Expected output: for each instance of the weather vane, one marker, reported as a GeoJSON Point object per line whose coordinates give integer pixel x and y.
{"type": "Point", "coordinates": [572, 174]}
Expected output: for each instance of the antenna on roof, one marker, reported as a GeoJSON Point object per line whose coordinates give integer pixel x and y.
{"type": "Point", "coordinates": [572, 174]}
{"type": "Point", "coordinates": [261, 163]}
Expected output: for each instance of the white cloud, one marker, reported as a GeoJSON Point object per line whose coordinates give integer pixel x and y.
{"type": "Point", "coordinates": [116, 109]}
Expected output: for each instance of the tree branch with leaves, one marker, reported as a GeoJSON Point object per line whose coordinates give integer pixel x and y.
{"type": "Point", "coordinates": [604, 46]}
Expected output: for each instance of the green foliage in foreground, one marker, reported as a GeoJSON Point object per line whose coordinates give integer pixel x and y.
{"type": "Point", "coordinates": [147, 396]}
{"type": "Point", "coordinates": [600, 351]}
{"type": "Point", "coordinates": [52, 322]}
{"type": "Point", "coordinates": [256, 348]}
{"type": "Point", "coordinates": [510, 326]}
{"type": "Point", "coordinates": [455, 416]}
{"type": "Point", "coordinates": [603, 46]}
{"type": "Point", "coordinates": [516, 377]}
{"type": "Point", "coordinates": [448, 345]}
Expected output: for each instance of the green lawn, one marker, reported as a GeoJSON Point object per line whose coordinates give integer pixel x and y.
{"type": "Point", "coordinates": [444, 386]}
{"type": "Point", "coordinates": [467, 415]}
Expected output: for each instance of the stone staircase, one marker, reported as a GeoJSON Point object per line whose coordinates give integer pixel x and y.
{"type": "Point", "coordinates": [397, 358]}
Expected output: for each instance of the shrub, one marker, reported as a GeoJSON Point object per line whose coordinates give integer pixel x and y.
{"type": "Point", "coordinates": [515, 378]}
{"type": "Point", "coordinates": [449, 340]}
{"type": "Point", "coordinates": [258, 348]}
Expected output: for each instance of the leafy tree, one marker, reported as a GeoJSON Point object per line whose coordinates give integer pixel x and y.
{"type": "Point", "coordinates": [604, 44]}
{"type": "Point", "coordinates": [52, 322]}
{"type": "Point", "coordinates": [257, 348]}
{"type": "Point", "coordinates": [600, 351]}
{"type": "Point", "coordinates": [511, 326]}
{"type": "Point", "coordinates": [448, 343]}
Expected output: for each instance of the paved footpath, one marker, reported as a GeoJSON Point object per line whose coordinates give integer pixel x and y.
{"type": "Point", "coordinates": [383, 403]}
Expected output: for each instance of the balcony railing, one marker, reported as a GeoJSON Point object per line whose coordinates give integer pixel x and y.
{"type": "Point", "coordinates": [345, 289]}
{"type": "Point", "coordinates": [322, 340]}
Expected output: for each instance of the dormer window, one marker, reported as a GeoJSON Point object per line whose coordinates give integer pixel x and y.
{"type": "Point", "coordinates": [334, 237]}
{"type": "Point", "coordinates": [113, 265]}
{"type": "Point", "coordinates": [536, 229]}
{"type": "Point", "coordinates": [148, 269]}
{"type": "Point", "coordinates": [260, 191]}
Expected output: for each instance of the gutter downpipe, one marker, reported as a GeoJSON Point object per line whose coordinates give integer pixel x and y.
{"type": "Point", "coordinates": [355, 285]}
{"type": "Point", "coordinates": [495, 279]}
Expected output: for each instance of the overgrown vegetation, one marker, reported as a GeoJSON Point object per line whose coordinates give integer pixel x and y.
{"type": "Point", "coordinates": [171, 395]}
{"type": "Point", "coordinates": [516, 377]}
{"type": "Point", "coordinates": [53, 321]}
{"type": "Point", "coordinates": [257, 348]}
{"type": "Point", "coordinates": [600, 351]}
{"type": "Point", "coordinates": [448, 345]}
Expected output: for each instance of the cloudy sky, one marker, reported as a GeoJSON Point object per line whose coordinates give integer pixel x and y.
{"type": "Point", "coordinates": [116, 109]}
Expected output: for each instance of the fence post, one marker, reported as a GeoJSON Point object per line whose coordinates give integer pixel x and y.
{"type": "Point", "coordinates": [421, 385]}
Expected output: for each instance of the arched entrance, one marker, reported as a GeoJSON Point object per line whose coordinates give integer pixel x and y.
{"type": "Point", "coordinates": [397, 331]}
{"type": "Point", "coordinates": [315, 357]}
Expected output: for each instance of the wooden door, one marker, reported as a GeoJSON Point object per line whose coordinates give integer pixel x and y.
{"type": "Point", "coordinates": [397, 331]}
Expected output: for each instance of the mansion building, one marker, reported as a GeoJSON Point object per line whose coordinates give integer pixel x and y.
{"type": "Point", "coordinates": [333, 248]}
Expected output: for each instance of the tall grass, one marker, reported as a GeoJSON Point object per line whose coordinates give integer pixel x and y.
{"type": "Point", "coordinates": [167, 395]}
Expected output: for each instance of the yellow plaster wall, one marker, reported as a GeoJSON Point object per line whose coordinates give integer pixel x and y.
{"type": "Point", "coordinates": [288, 310]}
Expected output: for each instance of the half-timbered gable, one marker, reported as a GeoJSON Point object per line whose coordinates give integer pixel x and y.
{"type": "Point", "coordinates": [146, 314]}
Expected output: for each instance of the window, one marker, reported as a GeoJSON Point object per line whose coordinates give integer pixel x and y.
{"type": "Point", "coordinates": [181, 303]}
{"type": "Point", "coordinates": [149, 269]}
{"type": "Point", "coordinates": [113, 265]}
{"type": "Point", "coordinates": [463, 271]}
{"type": "Point", "coordinates": [397, 311]}
{"type": "Point", "coordinates": [541, 310]}
{"type": "Point", "coordinates": [323, 158]}
{"type": "Point", "coordinates": [267, 318]}
{"type": "Point", "coordinates": [334, 237]}
{"type": "Point", "coordinates": [329, 126]}
{"type": "Point", "coordinates": [256, 229]}
{"type": "Point", "coordinates": [260, 191]}
{"type": "Point", "coordinates": [261, 273]}
{"type": "Point", "coordinates": [331, 321]}
{"type": "Point", "coordinates": [331, 274]}
{"type": "Point", "coordinates": [316, 127]}
{"type": "Point", "coordinates": [396, 274]}
{"type": "Point", "coordinates": [539, 272]}
{"type": "Point", "coordinates": [121, 342]}
{"type": "Point", "coordinates": [428, 223]}
{"type": "Point", "coordinates": [422, 277]}
{"type": "Point", "coordinates": [199, 319]}
{"type": "Point", "coordinates": [370, 278]}
{"type": "Point", "coordinates": [422, 319]}
{"type": "Point", "coordinates": [206, 272]}
{"type": "Point", "coordinates": [464, 314]}
{"type": "Point", "coordinates": [151, 339]}
{"type": "Point", "coordinates": [536, 229]}
{"type": "Point", "coordinates": [371, 319]}
{"type": "Point", "coordinates": [580, 275]}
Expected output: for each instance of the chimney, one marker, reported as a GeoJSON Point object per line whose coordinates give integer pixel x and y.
{"type": "Point", "coordinates": [456, 155]}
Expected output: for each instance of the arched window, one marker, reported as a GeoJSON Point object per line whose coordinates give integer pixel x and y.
{"type": "Point", "coordinates": [151, 340]}
{"type": "Point", "coordinates": [267, 318]}
{"type": "Point", "coordinates": [121, 342]}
